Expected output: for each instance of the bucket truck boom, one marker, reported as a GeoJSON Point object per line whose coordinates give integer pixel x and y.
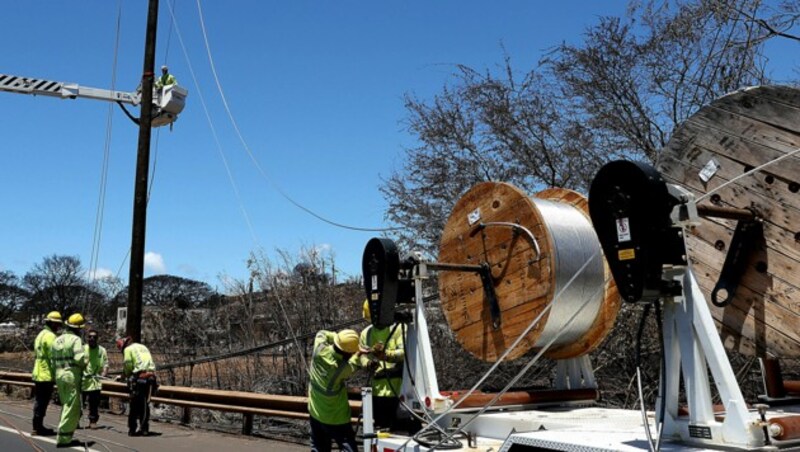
{"type": "Point", "coordinates": [168, 101]}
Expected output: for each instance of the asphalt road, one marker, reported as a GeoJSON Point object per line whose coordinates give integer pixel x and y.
{"type": "Point", "coordinates": [111, 436]}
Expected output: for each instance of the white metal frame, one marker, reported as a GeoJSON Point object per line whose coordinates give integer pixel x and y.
{"type": "Point", "coordinates": [420, 357]}
{"type": "Point", "coordinates": [692, 345]}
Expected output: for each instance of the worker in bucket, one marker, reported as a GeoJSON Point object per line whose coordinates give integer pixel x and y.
{"type": "Point", "coordinates": [96, 369]}
{"type": "Point", "coordinates": [383, 354]}
{"type": "Point", "coordinates": [334, 359]}
{"type": "Point", "coordinates": [43, 374]}
{"type": "Point", "coordinates": [140, 371]}
{"type": "Point", "coordinates": [67, 356]}
{"type": "Point", "coordinates": [166, 78]}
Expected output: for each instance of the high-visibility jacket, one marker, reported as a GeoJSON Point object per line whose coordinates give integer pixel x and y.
{"type": "Point", "coordinates": [327, 394]}
{"type": "Point", "coordinates": [67, 353]}
{"type": "Point", "coordinates": [165, 80]}
{"type": "Point", "coordinates": [68, 362]}
{"type": "Point", "coordinates": [96, 361]}
{"type": "Point", "coordinates": [42, 366]}
{"type": "Point", "coordinates": [136, 358]}
{"type": "Point", "coordinates": [387, 374]}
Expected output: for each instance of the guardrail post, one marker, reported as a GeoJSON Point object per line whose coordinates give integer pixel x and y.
{"type": "Point", "coordinates": [186, 416]}
{"type": "Point", "coordinates": [247, 426]}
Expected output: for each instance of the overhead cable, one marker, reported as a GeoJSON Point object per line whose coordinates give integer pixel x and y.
{"type": "Point", "coordinates": [94, 257]}
{"type": "Point", "coordinates": [220, 150]}
{"type": "Point", "coordinates": [258, 166]}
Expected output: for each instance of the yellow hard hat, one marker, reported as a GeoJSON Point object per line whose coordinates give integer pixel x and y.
{"type": "Point", "coordinates": [75, 321]}
{"type": "Point", "coordinates": [365, 310]}
{"type": "Point", "coordinates": [53, 316]}
{"type": "Point", "coordinates": [347, 341]}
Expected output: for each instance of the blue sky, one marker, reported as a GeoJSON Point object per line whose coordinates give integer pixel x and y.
{"type": "Point", "coordinates": [315, 87]}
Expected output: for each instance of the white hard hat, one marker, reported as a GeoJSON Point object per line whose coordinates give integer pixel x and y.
{"type": "Point", "coordinates": [164, 68]}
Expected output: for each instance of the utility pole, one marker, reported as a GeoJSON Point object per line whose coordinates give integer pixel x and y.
{"type": "Point", "coordinates": [133, 324]}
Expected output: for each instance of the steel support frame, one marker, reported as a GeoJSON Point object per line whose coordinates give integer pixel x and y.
{"type": "Point", "coordinates": [424, 394]}
{"type": "Point", "coordinates": [693, 346]}
{"type": "Point", "coordinates": [575, 373]}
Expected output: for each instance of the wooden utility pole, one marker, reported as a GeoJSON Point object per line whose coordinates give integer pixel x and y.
{"type": "Point", "coordinates": [133, 324]}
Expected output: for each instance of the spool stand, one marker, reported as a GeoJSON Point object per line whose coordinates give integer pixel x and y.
{"type": "Point", "coordinates": [692, 345]}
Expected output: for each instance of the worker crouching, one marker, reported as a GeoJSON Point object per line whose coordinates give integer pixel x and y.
{"type": "Point", "coordinates": [139, 371]}
{"type": "Point", "coordinates": [334, 359]}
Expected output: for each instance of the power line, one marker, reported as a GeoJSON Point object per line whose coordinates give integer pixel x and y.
{"type": "Point", "coordinates": [258, 166]}
{"type": "Point", "coordinates": [94, 257]}
{"type": "Point", "coordinates": [257, 348]}
{"type": "Point", "coordinates": [220, 149]}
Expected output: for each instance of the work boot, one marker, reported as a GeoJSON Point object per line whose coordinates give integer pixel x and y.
{"type": "Point", "coordinates": [92, 425]}
{"type": "Point", "coordinates": [43, 431]}
{"type": "Point", "coordinates": [134, 433]}
{"type": "Point", "coordinates": [73, 443]}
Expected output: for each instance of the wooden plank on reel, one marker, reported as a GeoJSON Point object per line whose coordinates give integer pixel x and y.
{"type": "Point", "coordinates": [735, 134]}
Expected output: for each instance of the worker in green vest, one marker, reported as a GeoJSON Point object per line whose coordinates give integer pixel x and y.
{"type": "Point", "coordinates": [333, 360]}
{"type": "Point", "coordinates": [383, 353]}
{"type": "Point", "coordinates": [43, 375]}
{"type": "Point", "coordinates": [68, 360]}
{"type": "Point", "coordinates": [140, 371]}
{"type": "Point", "coordinates": [166, 78]}
{"type": "Point", "coordinates": [96, 368]}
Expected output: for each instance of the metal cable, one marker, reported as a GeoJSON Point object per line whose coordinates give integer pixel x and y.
{"type": "Point", "coordinates": [247, 351]}
{"type": "Point", "coordinates": [24, 437]}
{"type": "Point", "coordinates": [516, 342]}
{"type": "Point", "coordinates": [747, 173]}
{"type": "Point", "coordinates": [533, 360]}
{"type": "Point", "coordinates": [574, 241]}
{"type": "Point", "coordinates": [211, 126]}
{"type": "Point", "coordinates": [94, 256]}
{"type": "Point", "coordinates": [258, 166]}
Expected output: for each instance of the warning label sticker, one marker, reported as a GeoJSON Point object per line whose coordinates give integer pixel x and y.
{"type": "Point", "coordinates": [626, 255]}
{"type": "Point", "coordinates": [474, 216]}
{"type": "Point", "coordinates": [623, 230]}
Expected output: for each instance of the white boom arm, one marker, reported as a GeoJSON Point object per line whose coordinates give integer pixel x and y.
{"type": "Point", "coordinates": [167, 104]}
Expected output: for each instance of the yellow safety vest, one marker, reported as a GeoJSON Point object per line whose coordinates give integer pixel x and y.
{"type": "Point", "coordinates": [67, 354]}
{"type": "Point", "coordinates": [96, 361]}
{"type": "Point", "coordinates": [387, 376]}
{"type": "Point", "coordinates": [136, 358]}
{"type": "Point", "coordinates": [42, 367]}
{"type": "Point", "coordinates": [327, 394]}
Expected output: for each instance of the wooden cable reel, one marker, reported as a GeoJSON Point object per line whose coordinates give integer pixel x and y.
{"type": "Point", "coordinates": [730, 136]}
{"type": "Point", "coordinates": [525, 283]}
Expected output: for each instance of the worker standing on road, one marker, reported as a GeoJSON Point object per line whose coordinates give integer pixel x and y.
{"type": "Point", "coordinates": [96, 368]}
{"type": "Point", "coordinates": [68, 360]}
{"type": "Point", "coordinates": [383, 353]}
{"type": "Point", "coordinates": [334, 359]}
{"type": "Point", "coordinates": [43, 374]}
{"type": "Point", "coordinates": [140, 371]}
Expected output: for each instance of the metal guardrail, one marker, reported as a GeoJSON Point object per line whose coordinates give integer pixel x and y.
{"type": "Point", "coordinates": [247, 403]}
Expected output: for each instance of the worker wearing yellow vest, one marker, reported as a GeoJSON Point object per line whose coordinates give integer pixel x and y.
{"type": "Point", "coordinates": [67, 356]}
{"type": "Point", "coordinates": [140, 370]}
{"type": "Point", "coordinates": [96, 368]}
{"type": "Point", "coordinates": [334, 359]}
{"type": "Point", "coordinates": [43, 375]}
{"type": "Point", "coordinates": [166, 78]}
{"type": "Point", "coordinates": [383, 353]}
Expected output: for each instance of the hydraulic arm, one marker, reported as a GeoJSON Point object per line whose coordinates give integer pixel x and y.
{"type": "Point", "coordinates": [168, 102]}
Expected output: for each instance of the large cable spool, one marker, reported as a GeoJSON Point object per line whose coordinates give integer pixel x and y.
{"type": "Point", "coordinates": [525, 281]}
{"type": "Point", "coordinates": [734, 134]}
